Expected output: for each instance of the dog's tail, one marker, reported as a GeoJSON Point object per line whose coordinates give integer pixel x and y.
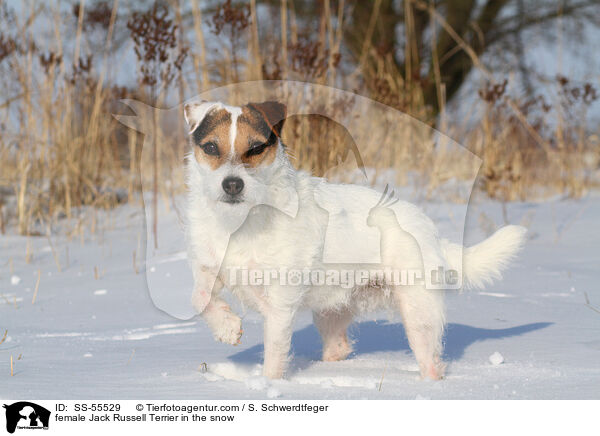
{"type": "Point", "coordinates": [484, 262]}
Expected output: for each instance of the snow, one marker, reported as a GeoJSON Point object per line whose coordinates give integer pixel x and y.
{"type": "Point", "coordinates": [273, 393]}
{"type": "Point", "coordinates": [78, 343]}
{"type": "Point", "coordinates": [257, 383]}
{"type": "Point", "coordinates": [496, 359]}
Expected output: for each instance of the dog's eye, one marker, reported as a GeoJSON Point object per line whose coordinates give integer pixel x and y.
{"type": "Point", "coordinates": [256, 148]}
{"type": "Point", "coordinates": [210, 148]}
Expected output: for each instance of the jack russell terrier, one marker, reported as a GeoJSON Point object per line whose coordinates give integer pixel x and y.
{"type": "Point", "coordinates": [240, 180]}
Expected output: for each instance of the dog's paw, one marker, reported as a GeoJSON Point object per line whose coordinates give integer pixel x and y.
{"type": "Point", "coordinates": [228, 329]}
{"type": "Point", "coordinates": [338, 350]}
{"type": "Point", "coordinates": [433, 371]}
{"type": "Point", "coordinates": [273, 372]}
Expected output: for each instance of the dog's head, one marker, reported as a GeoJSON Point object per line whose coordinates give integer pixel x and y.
{"type": "Point", "coordinates": [237, 151]}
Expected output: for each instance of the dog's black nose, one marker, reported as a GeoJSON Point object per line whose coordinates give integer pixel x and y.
{"type": "Point", "coordinates": [233, 185]}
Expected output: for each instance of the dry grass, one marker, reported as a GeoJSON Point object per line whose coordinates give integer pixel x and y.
{"type": "Point", "coordinates": [37, 286]}
{"type": "Point", "coordinates": [61, 149]}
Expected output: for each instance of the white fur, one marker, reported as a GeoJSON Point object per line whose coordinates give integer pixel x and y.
{"type": "Point", "coordinates": [235, 113]}
{"type": "Point", "coordinates": [483, 263]}
{"type": "Point", "coordinates": [257, 234]}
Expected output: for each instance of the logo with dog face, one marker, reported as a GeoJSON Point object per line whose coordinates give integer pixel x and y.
{"type": "Point", "coordinates": [237, 160]}
{"type": "Point", "coordinates": [26, 415]}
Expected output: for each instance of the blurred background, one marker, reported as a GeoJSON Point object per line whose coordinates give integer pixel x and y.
{"type": "Point", "coordinates": [514, 81]}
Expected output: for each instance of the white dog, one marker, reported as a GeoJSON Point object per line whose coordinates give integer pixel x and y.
{"type": "Point", "coordinates": [249, 210]}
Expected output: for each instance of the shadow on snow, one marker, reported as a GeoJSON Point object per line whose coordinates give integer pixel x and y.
{"type": "Point", "coordinates": [372, 336]}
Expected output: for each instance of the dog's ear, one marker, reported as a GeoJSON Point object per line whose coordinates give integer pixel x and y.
{"type": "Point", "coordinates": [195, 112]}
{"type": "Point", "coordinates": [273, 112]}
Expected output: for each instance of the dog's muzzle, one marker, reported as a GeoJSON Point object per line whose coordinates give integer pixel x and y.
{"type": "Point", "coordinates": [233, 186]}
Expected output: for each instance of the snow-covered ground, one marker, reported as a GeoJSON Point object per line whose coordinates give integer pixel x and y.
{"type": "Point", "coordinates": [94, 332]}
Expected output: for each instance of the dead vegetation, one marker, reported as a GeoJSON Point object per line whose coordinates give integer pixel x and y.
{"type": "Point", "coordinates": [61, 149]}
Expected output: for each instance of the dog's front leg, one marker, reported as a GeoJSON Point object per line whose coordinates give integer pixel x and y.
{"type": "Point", "coordinates": [225, 325]}
{"type": "Point", "coordinates": [278, 338]}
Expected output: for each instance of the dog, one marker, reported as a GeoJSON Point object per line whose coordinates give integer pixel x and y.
{"type": "Point", "coordinates": [248, 209]}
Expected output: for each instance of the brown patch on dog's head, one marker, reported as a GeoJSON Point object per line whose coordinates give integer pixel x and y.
{"type": "Point", "coordinates": [210, 139]}
{"type": "Point", "coordinates": [258, 130]}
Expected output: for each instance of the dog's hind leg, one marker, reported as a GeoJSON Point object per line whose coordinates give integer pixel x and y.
{"type": "Point", "coordinates": [422, 312]}
{"type": "Point", "coordinates": [332, 326]}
